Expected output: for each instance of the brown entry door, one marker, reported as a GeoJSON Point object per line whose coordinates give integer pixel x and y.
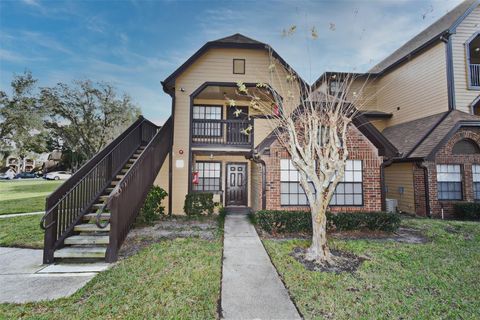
{"type": "Point", "coordinates": [236, 193]}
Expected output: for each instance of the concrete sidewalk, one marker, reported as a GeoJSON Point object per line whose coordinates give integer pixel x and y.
{"type": "Point", "coordinates": [23, 277]}
{"type": "Point", "coordinates": [251, 287]}
{"type": "Point", "coordinates": [14, 215]}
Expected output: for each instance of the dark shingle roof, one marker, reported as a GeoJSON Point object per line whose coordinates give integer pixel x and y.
{"type": "Point", "coordinates": [435, 30]}
{"type": "Point", "coordinates": [238, 38]}
{"type": "Point", "coordinates": [418, 138]}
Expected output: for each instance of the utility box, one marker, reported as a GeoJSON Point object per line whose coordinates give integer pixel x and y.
{"type": "Point", "coordinates": [391, 205]}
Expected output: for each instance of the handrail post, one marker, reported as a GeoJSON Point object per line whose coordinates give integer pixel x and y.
{"type": "Point", "coordinates": [112, 249]}
{"type": "Point", "coordinates": [50, 235]}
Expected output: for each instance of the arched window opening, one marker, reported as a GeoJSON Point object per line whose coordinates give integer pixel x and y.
{"type": "Point", "coordinates": [465, 146]}
{"type": "Point", "coordinates": [476, 107]}
{"type": "Point", "coordinates": [473, 56]}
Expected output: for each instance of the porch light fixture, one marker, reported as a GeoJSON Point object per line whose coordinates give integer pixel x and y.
{"type": "Point", "coordinates": [182, 89]}
{"type": "Point", "coordinates": [211, 155]}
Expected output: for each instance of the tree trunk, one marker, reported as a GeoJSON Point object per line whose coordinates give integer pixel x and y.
{"type": "Point", "coordinates": [319, 251]}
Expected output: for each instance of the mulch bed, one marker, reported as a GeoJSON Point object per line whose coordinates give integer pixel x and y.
{"type": "Point", "coordinates": [402, 235]}
{"type": "Point", "coordinates": [167, 229]}
{"type": "Point", "coordinates": [342, 261]}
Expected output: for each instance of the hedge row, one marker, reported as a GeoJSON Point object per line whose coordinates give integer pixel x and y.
{"type": "Point", "coordinates": [467, 210]}
{"type": "Point", "coordinates": [277, 221]}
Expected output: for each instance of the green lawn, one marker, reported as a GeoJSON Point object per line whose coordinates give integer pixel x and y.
{"type": "Point", "coordinates": [23, 232]}
{"type": "Point", "coordinates": [436, 280]}
{"type": "Point", "coordinates": [25, 196]}
{"type": "Point", "coordinates": [173, 279]}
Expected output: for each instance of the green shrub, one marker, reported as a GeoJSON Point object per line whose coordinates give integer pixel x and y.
{"type": "Point", "coordinates": [198, 204]}
{"type": "Point", "coordinates": [152, 207]}
{"type": "Point", "coordinates": [277, 221]}
{"type": "Point", "coordinates": [467, 210]}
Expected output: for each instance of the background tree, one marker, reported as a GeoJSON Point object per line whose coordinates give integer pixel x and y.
{"type": "Point", "coordinates": [21, 118]}
{"type": "Point", "coordinates": [84, 117]}
{"type": "Point", "coordinates": [313, 128]}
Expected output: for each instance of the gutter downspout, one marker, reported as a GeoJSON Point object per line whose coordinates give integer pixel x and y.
{"type": "Point", "coordinates": [426, 186]}
{"type": "Point", "coordinates": [383, 192]}
{"type": "Point", "coordinates": [256, 158]}
{"type": "Point", "coordinates": [447, 39]}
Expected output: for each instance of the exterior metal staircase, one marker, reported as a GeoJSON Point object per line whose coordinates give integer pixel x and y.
{"type": "Point", "coordinates": [89, 216]}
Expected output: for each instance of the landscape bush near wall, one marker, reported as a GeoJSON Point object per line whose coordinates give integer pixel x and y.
{"type": "Point", "coordinates": [467, 211]}
{"type": "Point", "coordinates": [278, 221]}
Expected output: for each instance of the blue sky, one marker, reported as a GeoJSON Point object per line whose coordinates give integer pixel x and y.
{"type": "Point", "coordinates": [136, 44]}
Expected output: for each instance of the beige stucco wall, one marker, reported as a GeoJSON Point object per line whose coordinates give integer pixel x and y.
{"type": "Point", "coordinates": [463, 95]}
{"type": "Point", "coordinates": [162, 180]}
{"type": "Point", "coordinates": [416, 89]}
{"type": "Point", "coordinates": [214, 65]}
{"type": "Point", "coordinates": [401, 175]}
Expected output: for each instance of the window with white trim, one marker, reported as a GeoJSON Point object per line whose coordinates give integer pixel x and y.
{"type": "Point", "coordinates": [349, 191]}
{"type": "Point", "coordinates": [476, 181]}
{"type": "Point", "coordinates": [209, 176]}
{"type": "Point", "coordinates": [291, 192]}
{"type": "Point", "coordinates": [449, 182]}
{"type": "Point", "coordinates": [207, 128]}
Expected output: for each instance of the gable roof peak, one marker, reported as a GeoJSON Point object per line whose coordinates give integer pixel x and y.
{"type": "Point", "coordinates": [239, 39]}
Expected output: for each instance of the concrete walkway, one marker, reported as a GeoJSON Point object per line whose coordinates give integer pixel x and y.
{"type": "Point", "coordinates": [251, 287]}
{"type": "Point", "coordinates": [13, 215]}
{"type": "Point", "coordinates": [23, 278]}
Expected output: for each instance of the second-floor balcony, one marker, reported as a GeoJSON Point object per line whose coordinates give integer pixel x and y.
{"type": "Point", "coordinates": [475, 75]}
{"type": "Point", "coordinates": [222, 133]}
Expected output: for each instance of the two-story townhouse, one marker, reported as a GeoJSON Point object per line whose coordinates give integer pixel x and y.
{"type": "Point", "coordinates": [210, 154]}
{"type": "Point", "coordinates": [425, 98]}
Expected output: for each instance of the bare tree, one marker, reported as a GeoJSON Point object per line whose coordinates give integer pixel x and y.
{"type": "Point", "coordinates": [313, 127]}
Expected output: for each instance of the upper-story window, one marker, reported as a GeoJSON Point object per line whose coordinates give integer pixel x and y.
{"type": "Point", "coordinates": [473, 61]}
{"type": "Point", "coordinates": [336, 87]}
{"type": "Point", "coordinates": [239, 66]}
{"type": "Point", "coordinates": [207, 128]}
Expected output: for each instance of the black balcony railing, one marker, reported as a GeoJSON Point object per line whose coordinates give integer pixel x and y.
{"type": "Point", "coordinates": [237, 133]}
{"type": "Point", "coordinates": [474, 75]}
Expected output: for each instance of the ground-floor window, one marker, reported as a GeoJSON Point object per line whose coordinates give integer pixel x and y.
{"type": "Point", "coordinates": [476, 181]}
{"type": "Point", "coordinates": [349, 191]}
{"type": "Point", "coordinates": [449, 182]}
{"type": "Point", "coordinates": [209, 176]}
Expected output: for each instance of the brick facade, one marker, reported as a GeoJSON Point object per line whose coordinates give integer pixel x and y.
{"type": "Point", "coordinates": [360, 148]}
{"type": "Point", "coordinates": [444, 156]}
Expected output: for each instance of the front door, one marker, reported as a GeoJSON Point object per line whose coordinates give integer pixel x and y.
{"type": "Point", "coordinates": [236, 191]}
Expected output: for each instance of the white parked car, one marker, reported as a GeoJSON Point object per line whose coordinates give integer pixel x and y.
{"type": "Point", "coordinates": [8, 175]}
{"type": "Point", "coordinates": [58, 175]}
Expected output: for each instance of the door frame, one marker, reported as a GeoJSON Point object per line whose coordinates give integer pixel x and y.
{"type": "Point", "coordinates": [246, 181]}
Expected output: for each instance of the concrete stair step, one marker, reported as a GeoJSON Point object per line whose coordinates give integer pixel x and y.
{"type": "Point", "coordinates": [104, 198]}
{"type": "Point", "coordinates": [81, 252]}
{"type": "Point", "coordinates": [109, 190]}
{"type": "Point", "coordinates": [93, 216]}
{"type": "Point", "coordinates": [90, 240]}
{"type": "Point", "coordinates": [98, 205]}
{"type": "Point", "coordinates": [120, 176]}
{"type": "Point", "coordinates": [90, 227]}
